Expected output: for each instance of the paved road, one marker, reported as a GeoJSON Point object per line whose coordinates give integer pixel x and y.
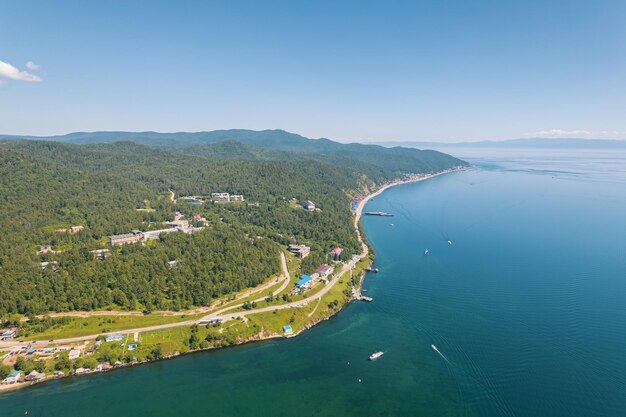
{"type": "Point", "coordinates": [223, 313]}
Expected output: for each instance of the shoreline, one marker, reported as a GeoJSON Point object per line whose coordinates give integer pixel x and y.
{"type": "Point", "coordinates": [260, 336]}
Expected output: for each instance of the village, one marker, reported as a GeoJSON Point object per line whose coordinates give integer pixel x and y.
{"type": "Point", "coordinates": [32, 362]}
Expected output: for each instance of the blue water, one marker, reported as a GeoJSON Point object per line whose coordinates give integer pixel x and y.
{"type": "Point", "coordinates": [528, 307]}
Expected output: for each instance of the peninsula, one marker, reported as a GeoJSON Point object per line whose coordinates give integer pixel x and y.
{"type": "Point", "coordinates": [204, 264]}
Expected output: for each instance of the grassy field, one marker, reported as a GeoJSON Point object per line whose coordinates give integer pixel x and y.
{"type": "Point", "coordinates": [84, 326]}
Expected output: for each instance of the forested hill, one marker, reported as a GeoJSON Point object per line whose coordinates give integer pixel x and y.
{"type": "Point", "coordinates": [113, 188]}
{"type": "Point", "coordinates": [395, 160]}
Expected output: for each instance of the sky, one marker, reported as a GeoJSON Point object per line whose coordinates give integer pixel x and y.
{"type": "Point", "coordinates": [347, 70]}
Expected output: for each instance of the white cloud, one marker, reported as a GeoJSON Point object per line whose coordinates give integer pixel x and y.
{"type": "Point", "coordinates": [12, 73]}
{"type": "Point", "coordinates": [560, 132]}
{"type": "Point", "coordinates": [32, 66]}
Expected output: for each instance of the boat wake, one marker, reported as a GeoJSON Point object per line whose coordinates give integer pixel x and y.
{"type": "Point", "coordinates": [440, 354]}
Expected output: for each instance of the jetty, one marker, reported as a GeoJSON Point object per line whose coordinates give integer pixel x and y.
{"type": "Point", "coordinates": [377, 213]}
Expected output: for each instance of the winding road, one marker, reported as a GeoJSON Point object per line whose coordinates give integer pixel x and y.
{"type": "Point", "coordinates": [223, 313]}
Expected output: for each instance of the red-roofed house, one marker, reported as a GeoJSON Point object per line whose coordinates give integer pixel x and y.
{"type": "Point", "coordinates": [324, 270]}
{"type": "Point", "coordinates": [336, 253]}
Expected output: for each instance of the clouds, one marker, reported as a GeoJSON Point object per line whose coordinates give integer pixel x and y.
{"type": "Point", "coordinates": [32, 66]}
{"type": "Point", "coordinates": [580, 133]}
{"type": "Point", "coordinates": [560, 133]}
{"type": "Point", "coordinates": [9, 71]}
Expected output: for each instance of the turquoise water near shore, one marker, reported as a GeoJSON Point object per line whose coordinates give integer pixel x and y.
{"type": "Point", "coordinates": [528, 307]}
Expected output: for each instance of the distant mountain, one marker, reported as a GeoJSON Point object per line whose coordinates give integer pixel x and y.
{"type": "Point", "coordinates": [552, 143]}
{"type": "Point", "coordinates": [272, 145]}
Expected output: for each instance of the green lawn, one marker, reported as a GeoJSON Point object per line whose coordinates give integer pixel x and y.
{"type": "Point", "coordinates": [84, 326]}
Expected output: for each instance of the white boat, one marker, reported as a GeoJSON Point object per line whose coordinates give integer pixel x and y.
{"type": "Point", "coordinates": [425, 252]}
{"type": "Point", "coordinates": [376, 355]}
{"type": "Point", "coordinates": [449, 242]}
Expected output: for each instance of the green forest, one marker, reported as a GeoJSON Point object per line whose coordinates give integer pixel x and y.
{"type": "Point", "coordinates": [113, 188]}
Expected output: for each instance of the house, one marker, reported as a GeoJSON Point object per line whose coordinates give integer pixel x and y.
{"type": "Point", "coordinates": [115, 337]}
{"type": "Point", "coordinates": [101, 253]}
{"type": "Point", "coordinates": [132, 346]}
{"type": "Point", "coordinates": [287, 330]}
{"type": "Point", "coordinates": [309, 205]}
{"type": "Point", "coordinates": [126, 238]}
{"type": "Point", "coordinates": [172, 264]}
{"type": "Point", "coordinates": [13, 377]}
{"type": "Point", "coordinates": [236, 198]}
{"type": "Point", "coordinates": [324, 270]}
{"type": "Point", "coordinates": [224, 197]}
{"type": "Point", "coordinates": [8, 334]}
{"type": "Point", "coordinates": [74, 354]}
{"type": "Point", "coordinates": [82, 371]}
{"type": "Point", "coordinates": [35, 376]}
{"type": "Point", "coordinates": [44, 249]}
{"type": "Point", "coordinates": [76, 229]}
{"type": "Point", "coordinates": [177, 214]}
{"type": "Point", "coordinates": [301, 251]}
{"type": "Point", "coordinates": [336, 253]}
{"type": "Point", "coordinates": [103, 367]}
{"type": "Point", "coordinates": [305, 281]}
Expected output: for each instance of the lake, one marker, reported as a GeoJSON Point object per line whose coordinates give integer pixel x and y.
{"type": "Point", "coordinates": [527, 308]}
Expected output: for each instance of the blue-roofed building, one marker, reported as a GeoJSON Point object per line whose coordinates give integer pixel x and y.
{"type": "Point", "coordinates": [305, 281]}
{"type": "Point", "coordinates": [287, 330]}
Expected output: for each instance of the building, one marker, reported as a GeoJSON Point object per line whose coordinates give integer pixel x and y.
{"type": "Point", "coordinates": [132, 346]}
{"type": "Point", "coordinates": [126, 238]}
{"type": "Point", "coordinates": [309, 205]}
{"type": "Point", "coordinates": [324, 270]}
{"type": "Point", "coordinates": [301, 251]}
{"type": "Point", "coordinates": [305, 281]}
{"type": "Point", "coordinates": [172, 264]}
{"type": "Point", "coordinates": [76, 229]}
{"type": "Point", "coordinates": [35, 376]}
{"type": "Point", "coordinates": [115, 337]}
{"type": "Point", "coordinates": [180, 224]}
{"type": "Point", "coordinates": [74, 354]}
{"type": "Point", "coordinates": [13, 377]}
{"type": "Point", "coordinates": [52, 264]}
{"type": "Point", "coordinates": [236, 198]}
{"type": "Point", "coordinates": [101, 253]}
{"type": "Point", "coordinates": [190, 230]}
{"type": "Point", "coordinates": [287, 330]}
{"type": "Point", "coordinates": [177, 214]}
{"type": "Point", "coordinates": [220, 197]}
{"type": "Point", "coordinates": [336, 253]}
{"type": "Point", "coordinates": [8, 334]}
{"type": "Point", "coordinates": [155, 234]}
{"type": "Point", "coordinates": [44, 249]}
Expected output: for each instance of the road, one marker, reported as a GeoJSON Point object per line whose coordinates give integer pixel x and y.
{"type": "Point", "coordinates": [222, 312]}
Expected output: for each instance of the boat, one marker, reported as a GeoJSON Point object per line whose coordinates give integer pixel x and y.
{"type": "Point", "coordinates": [449, 242]}
{"type": "Point", "coordinates": [376, 355]}
{"type": "Point", "coordinates": [377, 213]}
{"type": "Point", "coordinates": [391, 224]}
{"type": "Point", "coordinates": [425, 252]}
{"type": "Point", "coordinates": [370, 269]}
